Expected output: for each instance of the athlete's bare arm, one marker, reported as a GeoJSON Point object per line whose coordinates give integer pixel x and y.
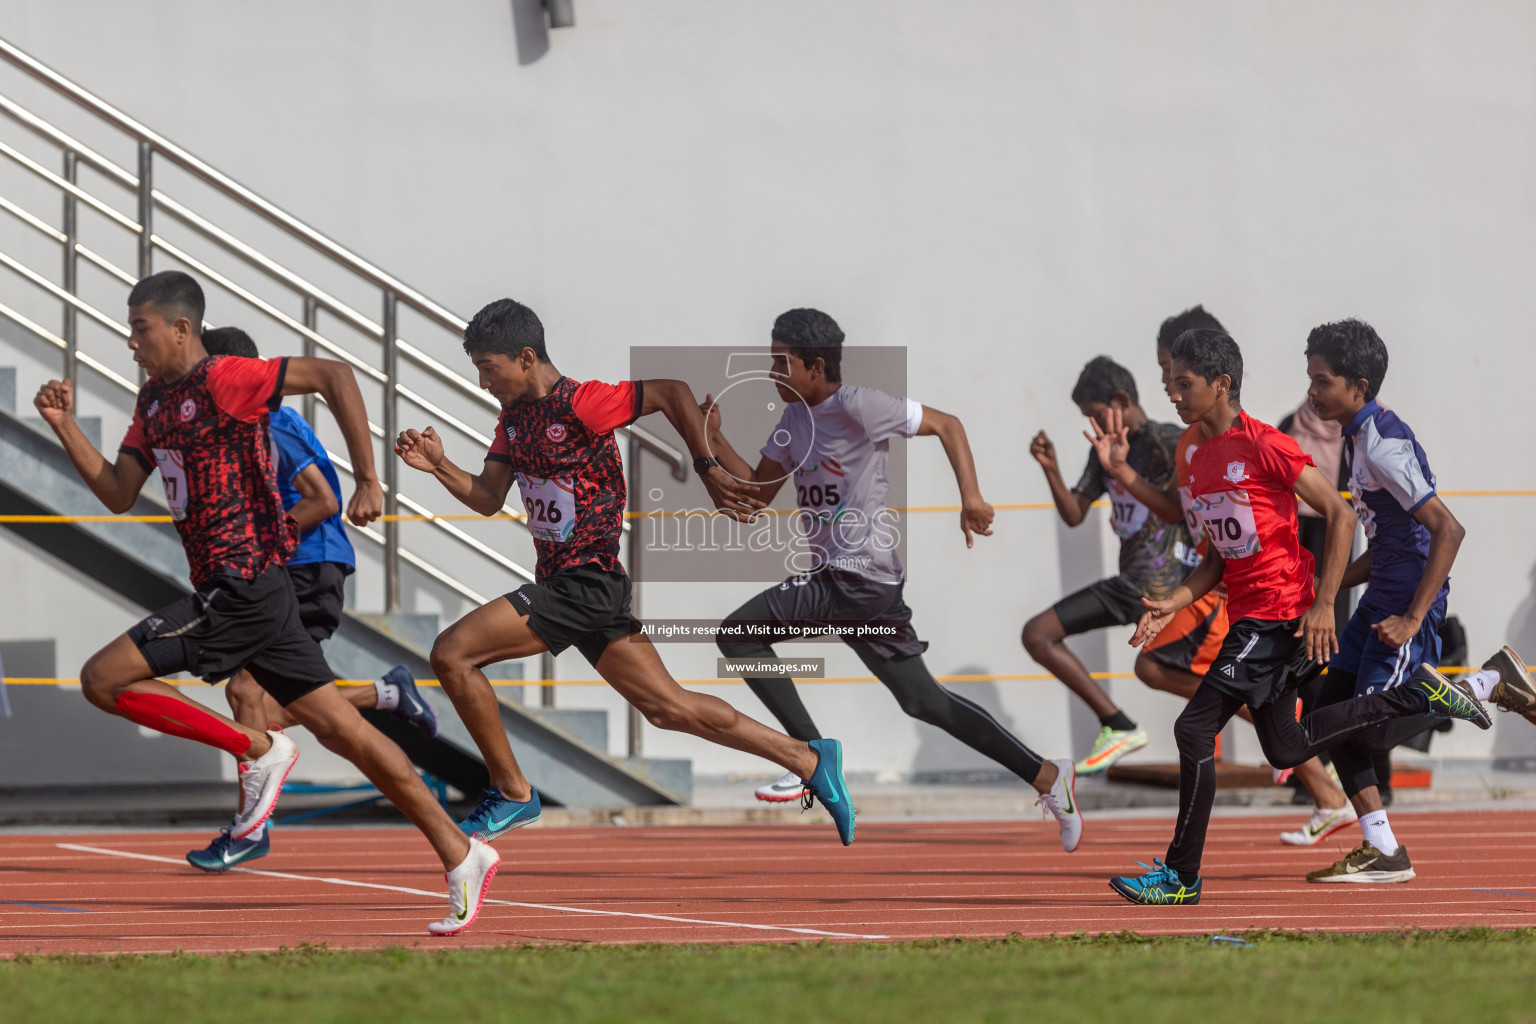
{"type": "Point", "coordinates": [1195, 586]}
{"type": "Point", "coordinates": [769, 476]}
{"type": "Point", "coordinates": [118, 483]}
{"type": "Point", "coordinates": [485, 494]}
{"type": "Point", "coordinates": [1358, 574]}
{"type": "Point", "coordinates": [1072, 505]}
{"type": "Point", "coordinates": [1445, 536]}
{"type": "Point", "coordinates": [1113, 447]}
{"type": "Point", "coordinates": [732, 496]}
{"type": "Point", "coordinates": [975, 513]}
{"type": "Point", "coordinates": [1317, 625]}
{"type": "Point", "coordinates": [335, 382]}
{"type": "Point", "coordinates": [317, 502]}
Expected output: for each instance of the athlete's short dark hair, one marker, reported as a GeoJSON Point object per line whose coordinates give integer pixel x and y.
{"type": "Point", "coordinates": [230, 341]}
{"type": "Point", "coordinates": [1211, 353]}
{"type": "Point", "coordinates": [1354, 350]}
{"type": "Point", "coordinates": [174, 294]}
{"type": "Point", "coordinates": [811, 334]}
{"type": "Point", "coordinates": [1191, 319]}
{"type": "Point", "coordinates": [506, 327]}
{"type": "Point", "coordinates": [1100, 379]}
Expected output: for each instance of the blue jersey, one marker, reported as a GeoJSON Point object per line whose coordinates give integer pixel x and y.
{"type": "Point", "coordinates": [1389, 479]}
{"type": "Point", "coordinates": [296, 448]}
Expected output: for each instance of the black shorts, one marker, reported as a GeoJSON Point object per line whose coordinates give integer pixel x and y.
{"type": "Point", "coordinates": [833, 597]}
{"type": "Point", "coordinates": [1104, 603]}
{"type": "Point", "coordinates": [584, 607]}
{"type": "Point", "coordinates": [320, 588]}
{"type": "Point", "coordinates": [230, 624]}
{"type": "Point", "coordinates": [1261, 660]}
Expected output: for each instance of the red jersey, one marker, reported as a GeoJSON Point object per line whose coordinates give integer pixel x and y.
{"type": "Point", "coordinates": [1183, 453]}
{"type": "Point", "coordinates": [207, 434]}
{"type": "Point", "coordinates": [566, 464]}
{"type": "Point", "coordinates": [1242, 489]}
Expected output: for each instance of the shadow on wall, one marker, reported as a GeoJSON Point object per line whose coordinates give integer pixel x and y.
{"type": "Point", "coordinates": [942, 758]}
{"type": "Point", "coordinates": [1514, 741]}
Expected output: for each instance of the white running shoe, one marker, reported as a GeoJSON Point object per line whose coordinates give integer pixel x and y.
{"type": "Point", "coordinates": [1324, 822]}
{"type": "Point", "coordinates": [261, 782]}
{"type": "Point", "coordinates": [1061, 801]}
{"type": "Point", "coordinates": [790, 787]}
{"type": "Point", "coordinates": [467, 886]}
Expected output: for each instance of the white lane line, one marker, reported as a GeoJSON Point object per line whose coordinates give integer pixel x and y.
{"type": "Point", "coordinates": [505, 903]}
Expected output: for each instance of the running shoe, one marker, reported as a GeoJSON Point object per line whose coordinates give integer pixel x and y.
{"type": "Point", "coordinates": [1283, 775]}
{"type": "Point", "coordinates": [495, 815]}
{"type": "Point", "coordinates": [1366, 865]}
{"type": "Point", "coordinates": [224, 852]}
{"type": "Point", "coordinates": [1160, 886]}
{"type": "Point", "coordinates": [1513, 691]}
{"type": "Point", "coordinates": [467, 885]}
{"type": "Point", "coordinates": [412, 710]}
{"type": "Point", "coordinates": [790, 787]}
{"type": "Point", "coordinates": [1324, 822]}
{"type": "Point", "coordinates": [1061, 801]}
{"type": "Point", "coordinates": [261, 782]}
{"type": "Point", "coordinates": [1447, 699]}
{"type": "Point", "coordinates": [1111, 746]}
{"type": "Point", "coordinates": [827, 785]}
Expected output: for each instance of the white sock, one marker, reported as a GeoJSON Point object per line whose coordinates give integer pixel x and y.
{"type": "Point", "coordinates": [1482, 682]}
{"type": "Point", "coordinates": [388, 695]}
{"type": "Point", "coordinates": [255, 837]}
{"type": "Point", "coordinates": [1378, 832]}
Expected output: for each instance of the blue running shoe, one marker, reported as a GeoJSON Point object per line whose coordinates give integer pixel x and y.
{"type": "Point", "coordinates": [1158, 887]}
{"type": "Point", "coordinates": [827, 785]}
{"type": "Point", "coordinates": [495, 815]}
{"type": "Point", "coordinates": [412, 710]}
{"type": "Point", "coordinates": [1447, 699]}
{"type": "Point", "coordinates": [224, 853]}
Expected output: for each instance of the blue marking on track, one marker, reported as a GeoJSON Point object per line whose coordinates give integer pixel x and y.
{"type": "Point", "coordinates": [1506, 892]}
{"type": "Point", "coordinates": [45, 906]}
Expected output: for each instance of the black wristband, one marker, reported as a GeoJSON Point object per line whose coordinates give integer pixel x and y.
{"type": "Point", "coordinates": [702, 464]}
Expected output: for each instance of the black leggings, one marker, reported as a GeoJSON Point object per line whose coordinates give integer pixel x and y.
{"type": "Point", "coordinates": [915, 689]}
{"type": "Point", "coordinates": [1362, 759]}
{"type": "Point", "coordinates": [1286, 743]}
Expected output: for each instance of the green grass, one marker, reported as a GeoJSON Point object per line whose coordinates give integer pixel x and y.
{"type": "Point", "coordinates": [1467, 975]}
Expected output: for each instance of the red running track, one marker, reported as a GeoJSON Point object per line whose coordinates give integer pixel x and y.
{"type": "Point", "coordinates": [362, 888]}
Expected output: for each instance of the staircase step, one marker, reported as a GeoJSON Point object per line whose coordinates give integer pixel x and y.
{"type": "Point", "coordinates": [8, 389]}
{"type": "Point", "coordinates": [90, 426]}
{"type": "Point", "coordinates": [588, 725]}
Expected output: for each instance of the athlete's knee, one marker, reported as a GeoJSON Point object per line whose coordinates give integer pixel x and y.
{"type": "Point", "coordinates": [449, 661]}
{"type": "Point", "coordinates": [98, 686]}
{"type": "Point", "coordinates": [1194, 735]}
{"type": "Point", "coordinates": [1039, 634]}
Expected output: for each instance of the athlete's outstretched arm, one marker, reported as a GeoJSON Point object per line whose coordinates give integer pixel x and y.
{"type": "Point", "coordinates": [335, 382]}
{"type": "Point", "coordinates": [675, 400]}
{"type": "Point", "coordinates": [975, 514]}
{"type": "Point", "coordinates": [1445, 536]}
{"type": "Point", "coordinates": [118, 483]}
{"type": "Point", "coordinates": [485, 494]}
{"type": "Point", "coordinates": [1071, 505]}
{"type": "Point", "coordinates": [1317, 625]}
{"type": "Point", "coordinates": [1113, 447]}
{"type": "Point", "coordinates": [769, 476]}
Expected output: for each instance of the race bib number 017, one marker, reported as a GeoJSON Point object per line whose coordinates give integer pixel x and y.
{"type": "Point", "coordinates": [1126, 513]}
{"type": "Point", "coordinates": [551, 506]}
{"type": "Point", "coordinates": [173, 474]}
{"type": "Point", "coordinates": [1227, 521]}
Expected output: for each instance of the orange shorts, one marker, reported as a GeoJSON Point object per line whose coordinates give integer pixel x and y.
{"type": "Point", "coordinates": [1193, 639]}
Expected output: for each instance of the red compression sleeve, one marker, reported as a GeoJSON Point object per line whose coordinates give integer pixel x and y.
{"type": "Point", "coordinates": [182, 718]}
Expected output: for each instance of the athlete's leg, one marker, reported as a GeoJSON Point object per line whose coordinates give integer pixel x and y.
{"type": "Point", "coordinates": [118, 680]}
{"type": "Point", "coordinates": [777, 693]}
{"type": "Point", "coordinates": [1044, 638]}
{"type": "Point", "coordinates": [634, 669]}
{"type": "Point", "coordinates": [1166, 678]}
{"type": "Point", "coordinates": [254, 707]}
{"type": "Point", "coordinates": [1206, 714]}
{"type": "Point", "coordinates": [340, 729]}
{"type": "Point", "coordinates": [1287, 741]}
{"type": "Point", "coordinates": [491, 633]}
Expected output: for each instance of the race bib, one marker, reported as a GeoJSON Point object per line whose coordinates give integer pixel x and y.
{"type": "Point", "coordinates": [1227, 520]}
{"type": "Point", "coordinates": [1191, 521]}
{"type": "Point", "coordinates": [1126, 513]}
{"type": "Point", "coordinates": [173, 474]}
{"type": "Point", "coordinates": [821, 488]}
{"type": "Point", "coordinates": [551, 506]}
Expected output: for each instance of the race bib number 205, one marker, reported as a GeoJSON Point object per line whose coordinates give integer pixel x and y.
{"type": "Point", "coordinates": [1227, 521]}
{"type": "Point", "coordinates": [551, 506]}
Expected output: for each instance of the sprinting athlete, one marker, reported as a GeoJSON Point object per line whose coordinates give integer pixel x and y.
{"type": "Point", "coordinates": [203, 422]}
{"type": "Point", "coordinates": [834, 439]}
{"type": "Point", "coordinates": [1175, 660]}
{"type": "Point", "coordinates": [311, 494]}
{"type": "Point", "coordinates": [1155, 555]}
{"type": "Point", "coordinates": [1412, 542]}
{"type": "Point", "coordinates": [1244, 484]}
{"type": "Point", "coordinates": [555, 441]}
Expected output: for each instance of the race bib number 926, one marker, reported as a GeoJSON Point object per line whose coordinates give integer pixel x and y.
{"type": "Point", "coordinates": [551, 506]}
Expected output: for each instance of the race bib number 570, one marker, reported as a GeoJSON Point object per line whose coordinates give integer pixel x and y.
{"type": "Point", "coordinates": [1227, 521]}
{"type": "Point", "coordinates": [551, 506]}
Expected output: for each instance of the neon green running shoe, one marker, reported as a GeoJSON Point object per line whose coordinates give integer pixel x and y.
{"type": "Point", "coordinates": [1449, 700]}
{"type": "Point", "coordinates": [1111, 746]}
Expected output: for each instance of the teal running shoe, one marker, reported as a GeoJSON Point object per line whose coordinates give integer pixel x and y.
{"type": "Point", "coordinates": [412, 710]}
{"type": "Point", "coordinates": [827, 785]}
{"type": "Point", "coordinates": [495, 815]}
{"type": "Point", "coordinates": [1160, 886]}
{"type": "Point", "coordinates": [224, 852]}
{"type": "Point", "coordinates": [1447, 699]}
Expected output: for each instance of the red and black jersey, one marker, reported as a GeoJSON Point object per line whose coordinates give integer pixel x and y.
{"type": "Point", "coordinates": [207, 434]}
{"type": "Point", "coordinates": [566, 464]}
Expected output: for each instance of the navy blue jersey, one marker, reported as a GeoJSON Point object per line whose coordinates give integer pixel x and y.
{"type": "Point", "coordinates": [297, 448]}
{"type": "Point", "coordinates": [1389, 479]}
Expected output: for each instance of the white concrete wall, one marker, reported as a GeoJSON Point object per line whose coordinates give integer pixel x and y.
{"type": "Point", "coordinates": [1008, 188]}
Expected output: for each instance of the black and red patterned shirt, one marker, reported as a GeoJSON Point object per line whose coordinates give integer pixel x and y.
{"type": "Point", "coordinates": [566, 464]}
{"type": "Point", "coordinates": [207, 434]}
